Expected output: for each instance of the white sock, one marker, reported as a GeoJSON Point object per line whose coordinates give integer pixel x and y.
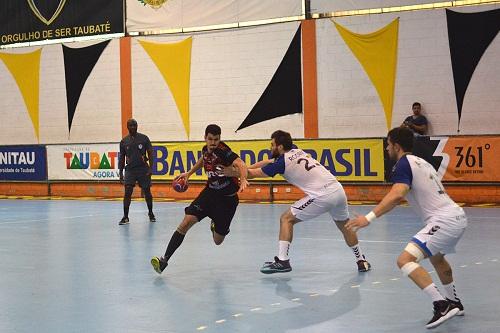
{"type": "Point", "coordinates": [357, 252]}
{"type": "Point", "coordinates": [283, 250]}
{"type": "Point", "coordinates": [450, 291]}
{"type": "Point", "coordinates": [433, 292]}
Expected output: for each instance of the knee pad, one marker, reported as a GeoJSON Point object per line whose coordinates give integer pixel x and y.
{"type": "Point", "coordinates": [415, 251]}
{"type": "Point", "coordinates": [409, 267]}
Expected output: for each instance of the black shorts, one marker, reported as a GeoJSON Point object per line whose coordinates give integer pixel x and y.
{"type": "Point", "coordinates": [138, 175]}
{"type": "Point", "coordinates": [220, 208]}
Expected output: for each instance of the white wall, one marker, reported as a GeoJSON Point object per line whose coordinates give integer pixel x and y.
{"type": "Point", "coordinates": [326, 6]}
{"type": "Point", "coordinates": [97, 116]}
{"type": "Point", "coordinates": [230, 70]}
{"type": "Point", "coordinates": [350, 107]}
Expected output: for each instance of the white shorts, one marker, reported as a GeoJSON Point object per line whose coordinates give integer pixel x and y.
{"type": "Point", "coordinates": [439, 237]}
{"type": "Point", "coordinates": [333, 203]}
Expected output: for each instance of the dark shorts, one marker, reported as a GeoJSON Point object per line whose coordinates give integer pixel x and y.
{"type": "Point", "coordinates": [219, 208]}
{"type": "Point", "coordinates": [138, 176]}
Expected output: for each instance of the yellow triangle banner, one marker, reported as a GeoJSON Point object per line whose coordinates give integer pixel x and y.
{"type": "Point", "coordinates": [173, 60]}
{"type": "Point", "coordinates": [377, 52]}
{"type": "Point", "coordinates": [25, 68]}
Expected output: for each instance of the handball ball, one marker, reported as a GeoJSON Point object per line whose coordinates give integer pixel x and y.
{"type": "Point", "coordinates": [180, 185]}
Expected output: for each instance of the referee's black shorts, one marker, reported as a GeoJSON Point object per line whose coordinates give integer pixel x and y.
{"type": "Point", "coordinates": [138, 175]}
{"type": "Point", "coordinates": [220, 208]}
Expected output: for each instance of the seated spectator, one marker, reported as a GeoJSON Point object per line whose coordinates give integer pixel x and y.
{"type": "Point", "coordinates": [416, 122]}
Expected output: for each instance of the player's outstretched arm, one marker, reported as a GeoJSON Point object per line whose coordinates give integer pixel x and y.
{"type": "Point", "coordinates": [242, 170]}
{"type": "Point", "coordinates": [256, 173]}
{"type": "Point", "coordinates": [197, 166]}
{"type": "Point", "coordinates": [260, 164]}
{"type": "Point", "coordinates": [233, 171]}
{"type": "Point", "coordinates": [391, 200]}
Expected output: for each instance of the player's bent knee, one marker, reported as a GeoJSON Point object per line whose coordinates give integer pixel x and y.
{"type": "Point", "coordinates": [185, 226]}
{"type": "Point", "coordinates": [415, 251]}
{"type": "Point", "coordinates": [341, 226]}
{"type": "Point", "coordinates": [409, 267]}
{"type": "Point", "coordinates": [286, 220]}
{"type": "Point", "coordinates": [438, 259]}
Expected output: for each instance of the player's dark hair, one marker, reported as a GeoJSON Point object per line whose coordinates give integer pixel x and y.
{"type": "Point", "coordinates": [282, 138]}
{"type": "Point", "coordinates": [403, 137]}
{"type": "Point", "coordinates": [212, 129]}
{"type": "Point", "coordinates": [416, 103]}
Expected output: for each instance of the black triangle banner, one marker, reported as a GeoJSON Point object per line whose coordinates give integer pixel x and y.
{"type": "Point", "coordinates": [283, 95]}
{"type": "Point", "coordinates": [469, 35]}
{"type": "Point", "coordinates": [78, 64]}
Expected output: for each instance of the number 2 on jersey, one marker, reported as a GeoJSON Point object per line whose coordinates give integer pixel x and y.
{"type": "Point", "coordinates": [306, 165]}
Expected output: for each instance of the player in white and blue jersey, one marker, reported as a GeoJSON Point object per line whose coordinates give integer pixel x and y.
{"type": "Point", "coordinates": [324, 194]}
{"type": "Point", "coordinates": [444, 220]}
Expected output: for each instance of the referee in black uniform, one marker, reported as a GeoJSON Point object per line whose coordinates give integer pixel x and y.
{"type": "Point", "coordinates": [136, 150]}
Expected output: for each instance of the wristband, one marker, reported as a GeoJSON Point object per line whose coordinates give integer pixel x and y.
{"type": "Point", "coordinates": [370, 216]}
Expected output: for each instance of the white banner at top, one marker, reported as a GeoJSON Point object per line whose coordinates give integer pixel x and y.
{"type": "Point", "coordinates": [328, 6]}
{"type": "Point", "coordinates": [156, 15]}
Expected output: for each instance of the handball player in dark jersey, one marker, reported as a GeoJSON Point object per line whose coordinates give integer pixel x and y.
{"type": "Point", "coordinates": [218, 200]}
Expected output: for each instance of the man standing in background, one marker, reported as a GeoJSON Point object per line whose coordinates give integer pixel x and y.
{"type": "Point", "coordinates": [417, 122]}
{"type": "Point", "coordinates": [135, 157]}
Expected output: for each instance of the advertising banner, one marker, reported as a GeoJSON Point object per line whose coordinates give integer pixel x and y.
{"type": "Point", "coordinates": [327, 6]}
{"type": "Point", "coordinates": [462, 159]}
{"type": "Point", "coordinates": [83, 162]}
{"type": "Point", "coordinates": [23, 163]}
{"type": "Point", "coordinates": [36, 20]}
{"type": "Point", "coordinates": [473, 159]}
{"type": "Point", "coordinates": [155, 15]}
{"type": "Point", "coordinates": [348, 160]}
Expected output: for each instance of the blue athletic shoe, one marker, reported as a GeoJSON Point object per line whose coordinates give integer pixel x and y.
{"type": "Point", "coordinates": [278, 266]}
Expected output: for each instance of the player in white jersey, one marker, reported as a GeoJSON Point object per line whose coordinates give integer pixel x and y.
{"type": "Point", "coordinates": [324, 194]}
{"type": "Point", "coordinates": [444, 221]}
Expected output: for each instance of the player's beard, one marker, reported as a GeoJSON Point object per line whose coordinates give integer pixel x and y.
{"type": "Point", "coordinates": [275, 153]}
{"type": "Point", "coordinates": [393, 156]}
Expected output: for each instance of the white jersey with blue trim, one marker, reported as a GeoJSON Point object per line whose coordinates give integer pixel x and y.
{"type": "Point", "coordinates": [427, 195]}
{"type": "Point", "coordinates": [303, 171]}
